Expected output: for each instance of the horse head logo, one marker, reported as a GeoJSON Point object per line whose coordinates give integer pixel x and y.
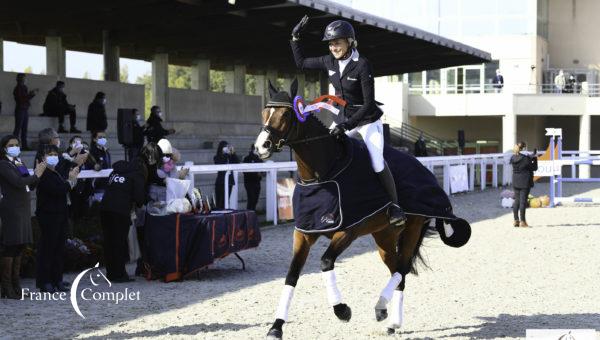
{"type": "Point", "coordinates": [96, 277]}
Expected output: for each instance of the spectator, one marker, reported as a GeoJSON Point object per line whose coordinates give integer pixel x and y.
{"type": "Point", "coordinates": [153, 129]}
{"type": "Point", "coordinates": [53, 217]}
{"type": "Point", "coordinates": [252, 179]}
{"type": "Point", "coordinates": [99, 150]}
{"type": "Point", "coordinates": [15, 213]}
{"type": "Point", "coordinates": [498, 82]}
{"type": "Point", "coordinates": [165, 168]}
{"type": "Point", "coordinates": [56, 105]}
{"type": "Point", "coordinates": [420, 147]}
{"type": "Point", "coordinates": [225, 155]}
{"type": "Point", "coordinates": [559, 82]}
{"type": "Point", "coordinates": [83, 189]}
{"type": "Point", "coordinates": [49, 137]}
{"type": "Point", "coordinates": [571, 86]}
{"type": "Point", "coordinates": [125, 189]}
{"type": "Point", "coordinates": [523, 165]}
{"type": "Point", "coordinates": [22, 103]}
{"type": "Point", "coordinates": [138, 136]}
{"type": "Point", "coordinates": [96, 116]}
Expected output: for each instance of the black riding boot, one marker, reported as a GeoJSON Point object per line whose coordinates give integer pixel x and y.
{"type": "Point", "coordinates": [397, 216]}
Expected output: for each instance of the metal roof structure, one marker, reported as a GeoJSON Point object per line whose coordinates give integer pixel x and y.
{"type": "Point", "coordinates": [251, 32]}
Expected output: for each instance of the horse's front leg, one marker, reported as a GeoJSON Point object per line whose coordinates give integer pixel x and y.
{"type": "Point", "coordinates": [302, 244]}
{"type": "Point", "coordinates": [339, 242]}
{"type": "Point", "coordinates": [408, 245]}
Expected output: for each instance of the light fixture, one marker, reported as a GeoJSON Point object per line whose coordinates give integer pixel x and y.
{"type": "Point", "coordinates": [231, 2]}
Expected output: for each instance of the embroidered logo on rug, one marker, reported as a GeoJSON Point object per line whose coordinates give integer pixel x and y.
{"type": "Point", "coordinates": [331, 72]}
{"type": "Point", "coordinates": [327, 219]}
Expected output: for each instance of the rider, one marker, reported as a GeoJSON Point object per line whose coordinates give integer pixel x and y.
{"type": "Point", "coordinates": [352, 77]}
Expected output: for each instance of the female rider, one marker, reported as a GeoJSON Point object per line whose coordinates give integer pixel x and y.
{"type": "Point", "coordinates": [352, 77]}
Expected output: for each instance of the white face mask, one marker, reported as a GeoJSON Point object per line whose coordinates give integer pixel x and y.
{"type": "Point", "coordinates": [166, 159]}
{"type": "Point", "coordinates": [225, 149]}
{"type": "Point", "coordinates": [13, 151]}
{"type": "Point", "coordinates": [52, 160]}
{"type": "Point", "coordinates": [76, 144]}
{"type": "Point", "coordinates": [101, 141]}
{"type": "Point", "coordinates": [104, 101]}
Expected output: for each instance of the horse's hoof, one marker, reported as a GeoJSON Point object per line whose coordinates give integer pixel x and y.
{"type": "Point", "coordinates": [274, 334]}
{"type": "Point", "coordinates": [381, 314]}
{"type": "Point", "coordinates": [391, 331]}
{"type": "Point", "coordinates": [342, 311]}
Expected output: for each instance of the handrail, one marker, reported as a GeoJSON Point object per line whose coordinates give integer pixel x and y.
{"type": "Point", "coordinates": [582, 89]}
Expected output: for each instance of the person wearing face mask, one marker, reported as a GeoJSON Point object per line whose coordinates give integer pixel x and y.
{"type": "Point", "coordinates": [96, 116]}
{"type": "Point", "coordinates": [351, 75]}
{"type": "Point", "coordinates": [153, 128]}
{"type": "Point", "coordinates": [252, 179]}
{"type": "Point", "coordinates": [15, 213]}
{"type": "Point", "coordinates": [99, 150]}
{"type": "Point", "coordinates": [52, 214]}
{"type": "Point", "coordinates": [225, 155]}
{"type": "Point", "coordinates": [56, 105]}
{"type": "Point", "coordinates": [523, 164]}
{"type": "Point", "coordinates": [80, 194]}
{"type": "Point", "coordinates": [49, 137]}
{"type": "Point", "coordinates": [164, 169]}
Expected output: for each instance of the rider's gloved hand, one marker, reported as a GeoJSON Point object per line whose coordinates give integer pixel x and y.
{"type": "Point", "coordinates": [339, 130]}
{"type": "Point", "coordinates": [299, 28]}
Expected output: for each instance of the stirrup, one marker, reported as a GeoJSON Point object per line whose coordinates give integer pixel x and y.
{"type": "Point", "coordinates": [396, 214]}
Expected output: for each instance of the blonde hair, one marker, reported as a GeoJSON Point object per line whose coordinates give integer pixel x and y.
{"type": "Point", "coordinates": [516, 149]}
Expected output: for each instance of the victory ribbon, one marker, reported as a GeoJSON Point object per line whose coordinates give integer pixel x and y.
{"type": "Point", "coordinates": [302, 112]}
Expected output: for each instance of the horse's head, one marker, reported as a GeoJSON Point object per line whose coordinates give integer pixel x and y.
{"type": "Point", "coordinates": [278, 120]}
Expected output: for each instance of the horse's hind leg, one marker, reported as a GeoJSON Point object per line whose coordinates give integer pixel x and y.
{"type": "Point", "coordinates": [339, 242]}
{"type": "Point", "coordinates": [302, 244]}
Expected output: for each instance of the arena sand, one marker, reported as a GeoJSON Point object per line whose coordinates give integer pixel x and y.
{"type": "Point", "coordinates": [504, 281]}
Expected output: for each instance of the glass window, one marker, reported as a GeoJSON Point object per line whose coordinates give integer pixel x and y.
{"type": "Point", "coordinates": [448, 8]}
{"type": "Point", "coordinates": [512, 26]}
{"type": "Point", "coordinates": [512, 7]}
{"type": "Point", "coordinates": [478, 27]}
{"type": "Point", "coordinates": [415, 79]}
{"type": "Point", "coordinates": [472, 80]}
{"type": "Point", "coordinates": [433, 81]}
{"type": "Point", "coordinates": [451, 80]}
{"type": "Point", "coordinates": [478, 7]}
{"type": "Point", "coordinates": [490, 72]}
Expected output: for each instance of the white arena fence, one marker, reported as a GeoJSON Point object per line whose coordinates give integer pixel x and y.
{"type": "Point", "coordinates": [440, 166]}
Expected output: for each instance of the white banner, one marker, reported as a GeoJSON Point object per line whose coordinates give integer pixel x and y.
{"type": "Point", "coordinates": [459, 179]}
{"type": "Point", "coordinates": [548, 168]}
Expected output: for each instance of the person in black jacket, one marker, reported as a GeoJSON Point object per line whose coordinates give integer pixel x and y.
{"type": "Point", "coordinates": [101, 155]}
{"type": "Point", "coordinates": [126, 188]}
{"type": "Point", "coordinates": [523, 165]}
{"type": "Point", "coordinates": [138, 136]}
{"type": "Point", "coordinates": [56, 105]}
{"type": "Point", "coordinates": [52, 215]}
{"type": "Point", "coordinates": [22, 97]}
{"type": "Point", "coordinates": [153, 129]}
{"type": "Point", "coordinates": [225, 155]}
{"type": "Point", "coordinates": [96, 116]}
{"type": "Point", "coordinates": [252, 179]}
{"type": "Point", "coordinates": [352, 77]}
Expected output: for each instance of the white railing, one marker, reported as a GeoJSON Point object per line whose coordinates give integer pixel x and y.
{"type": "Point", "coordinates": [582, 89]}
{"type": "Point", "coordinates": [474, 163]}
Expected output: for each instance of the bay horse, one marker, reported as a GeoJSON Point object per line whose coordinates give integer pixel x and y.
{"type": "Point", "coordinates": [315, 153]}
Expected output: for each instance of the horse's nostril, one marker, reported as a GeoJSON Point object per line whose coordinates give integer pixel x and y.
{"type": "Point", "coordinates": [267, 144]}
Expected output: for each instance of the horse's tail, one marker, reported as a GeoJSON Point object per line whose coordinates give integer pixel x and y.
{"type": "Point", "coordinates": [426, 231]}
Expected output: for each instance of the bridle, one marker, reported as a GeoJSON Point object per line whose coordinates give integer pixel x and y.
{"type": "Point", "coordinates": [284, 139]}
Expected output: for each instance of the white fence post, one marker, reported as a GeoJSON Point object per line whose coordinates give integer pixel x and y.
{"type": "Point", "coordinates": [226, 190]}
{"type": "Point", "coordinates": [447, 178]}
{"type": "Point", "coordinates": [482, 173]}
{"type": "Point", "coordinates": [495, 174]}
{"type": "Point", "coordinates": [233, 202]}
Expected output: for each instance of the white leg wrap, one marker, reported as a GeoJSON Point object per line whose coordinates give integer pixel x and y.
{"type": "Point", "coordinates": [392, 284]}
{"type": "Point", "coordinates": [333, 293]}
{"type": "Point", "coordinates": [284, 303]}
{"type": "Point", "coordinates": [396, 309]}
{"type": "Point", "coordinates": [448, 230]}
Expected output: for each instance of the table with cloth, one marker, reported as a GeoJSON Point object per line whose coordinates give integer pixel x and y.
{"type": "Point", "coordinates": [177, 245]}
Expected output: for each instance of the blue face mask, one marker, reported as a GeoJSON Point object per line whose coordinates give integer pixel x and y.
{"type": "Point", "coordinates": [13, 151]}
{"type": "Point", "coordinates": [52, 160]}
{"type": "Point", "coordinates": [102, 141]}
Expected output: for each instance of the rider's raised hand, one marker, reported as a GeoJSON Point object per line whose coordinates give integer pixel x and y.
{"type": "Point", "coordinates": [299, 28]}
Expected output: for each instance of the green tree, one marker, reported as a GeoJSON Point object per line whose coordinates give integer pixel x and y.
{"type": "Point", "coordinates": [28, 69]}
{"type": "Point", "coordinates": [146, 80]}
{"type": "Point", "coordinates": [180, 77]}
{"type": "Point", "coordinates": [217, 81]}
{"type": "Point", "coordinates": [124, 74]}
{"type": "Point", "coordinates": [86, 75]}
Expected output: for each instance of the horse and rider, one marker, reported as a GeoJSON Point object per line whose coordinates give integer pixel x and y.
{"type": "Point", "coordinates": [326, 158]}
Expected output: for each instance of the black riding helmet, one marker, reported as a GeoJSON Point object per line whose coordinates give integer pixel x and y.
{"type": "Point", "coordinates": [339, 29]}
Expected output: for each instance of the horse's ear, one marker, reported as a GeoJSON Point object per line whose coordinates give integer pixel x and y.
{"type": "Point", "coordinates": [272, 90]}
{"type": "Point", "coordinates": [294, 88]}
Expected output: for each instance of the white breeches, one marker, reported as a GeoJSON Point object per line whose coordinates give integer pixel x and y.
{"type": "Point", "coordinates": [372, 135]}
